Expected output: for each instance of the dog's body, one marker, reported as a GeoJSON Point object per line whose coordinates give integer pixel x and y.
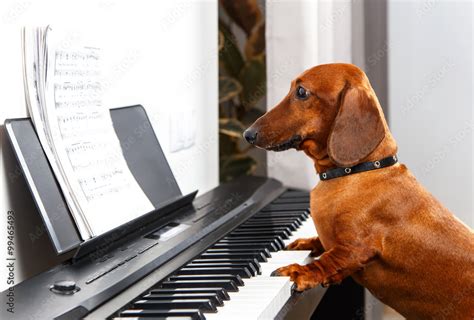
{"type": "Point", "coordinates": [381, 227]}
{"type": "Point", "coordinates": [422, 258]}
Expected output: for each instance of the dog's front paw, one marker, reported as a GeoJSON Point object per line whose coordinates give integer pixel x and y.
{"type": "Point", "coordinates": [302, 276]}
{"type": "Point", "coordinates": [301, 244]}
{"type": "Point", "coordinates": [306, 244]}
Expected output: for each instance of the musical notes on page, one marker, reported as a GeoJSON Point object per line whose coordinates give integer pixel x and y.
{"type": "Point", "coordinates": [64, 96]}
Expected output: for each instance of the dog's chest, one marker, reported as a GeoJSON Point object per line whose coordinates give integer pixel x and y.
{"type": "Point", "coordinates": [332, 214]}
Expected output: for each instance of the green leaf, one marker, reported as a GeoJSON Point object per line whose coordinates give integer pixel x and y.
{"type": "Point", "coordinates": [253, 79]}
{"type": "Point", "coordinates": [235, 166]}
{"type": "Point", "coordinates": [231, 127]}
{"type": "Point", "coordinates": [229, 88]}
{"type": "Point", "coordinates": [230, 55]}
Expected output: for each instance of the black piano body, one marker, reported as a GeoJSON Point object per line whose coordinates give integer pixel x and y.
{"type": "Point", "coordinates": [108, 274]}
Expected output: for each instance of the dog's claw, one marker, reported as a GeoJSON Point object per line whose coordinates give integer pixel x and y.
{"type": "Point", "coordinates": [294, 289]}
{"type": "Point", "coordinates": [275, 274]}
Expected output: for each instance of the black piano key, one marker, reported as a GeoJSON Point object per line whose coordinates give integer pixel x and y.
{"type": "Point", "coordinates": [219, 292]}
{"type": "Point", "coordinates": [294, 194]}
{"type": "Point", "coordinates": [285, 213]}
{"type": "Point", "coordinates": [276, 220]}
{"type": "Point", "coordinates": [239, 265]}
{"type": "Point", "coordinates": [195, 314]}
{"type": "Point", "coordinates": [263, 251]}
{"type": "Point", "coordinates": [243, 272]}
{"type": "Point", "coordinates": [251, 261]}
{"type": "Point", "coordinates": [229, 285]}
{"type": "Point", "coordinates": [237, 237]}
{"type": "Point", "coordinates": [239, 245]}
{"type": "Point", "coordinates": [154, 318]}
{"type": "Point", "coordinates": [268, 223]}
{"type": "Point", "coordinates": [286, 207]}
{"type": "Point", "coordinates": [213, 297]}
{"type": "Point", "coordinates": [221, 255]}
{"type": "Point", "coordinates": [250, 241]}
{"type": "Point", "coordinates": [286, 230]}
{"type": "Point", "coordinates": [266, 216]}
{"type": "Point", "coordinates": [204, 305]}
{"type": "Point", "coordinates": [204, 277]}
{"type": "Point", "coordinates": [283, 234]}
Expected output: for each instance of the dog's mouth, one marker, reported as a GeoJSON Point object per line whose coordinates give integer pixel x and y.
{"type": "Point", "coordinates": [294, 142]}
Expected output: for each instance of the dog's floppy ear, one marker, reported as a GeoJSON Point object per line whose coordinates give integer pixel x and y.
{"type": "Point", "coordinates": [357, 130]}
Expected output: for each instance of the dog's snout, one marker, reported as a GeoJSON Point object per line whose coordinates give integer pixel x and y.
{"type": "Point", "coordinates": [250, 135]}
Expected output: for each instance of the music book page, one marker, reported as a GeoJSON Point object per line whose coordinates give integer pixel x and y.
{"type": "Point", "coordinates": [64, 97]}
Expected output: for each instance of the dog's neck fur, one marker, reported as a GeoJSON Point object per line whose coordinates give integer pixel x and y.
{"type": "Point", "coordinates": [322, 161]}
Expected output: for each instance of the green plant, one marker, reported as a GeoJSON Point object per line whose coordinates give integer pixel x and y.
{"type": "Point", "coordinates": [242, 85]}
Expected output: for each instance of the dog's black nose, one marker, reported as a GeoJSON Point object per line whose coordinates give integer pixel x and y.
{"type": "Point", "coordinates": [250, 135]}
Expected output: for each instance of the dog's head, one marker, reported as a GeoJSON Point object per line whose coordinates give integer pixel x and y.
{"type": "Point", "coordinates": [330, 110]}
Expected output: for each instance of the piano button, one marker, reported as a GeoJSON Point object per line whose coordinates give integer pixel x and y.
{"type": "Point", "coordinates": [195, 314]}
{"type": "Point", "coordinates": [219, 292]}
{"type": "Point", "coordinates": [263, 251]}
{"type": "Point", "coordinates": [203, 305]}
{"type": "Point", "coordinates": [229, 285]}
{"type": "Point", "coordinates": [249, 267]}
{"type": "Point", "coordinates": [256, 255]}
{"type": "Point", "coordinates": [239, 245]}
{"type": "Point", "coordinates": [242, 271]}
{"type": "Point", "coordinates": [204, 277]}
{"type": "Point", "coordinates": [214, 298]}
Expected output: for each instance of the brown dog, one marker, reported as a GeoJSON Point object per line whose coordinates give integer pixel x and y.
{"type": "Point", "coordinates": [381, 226]}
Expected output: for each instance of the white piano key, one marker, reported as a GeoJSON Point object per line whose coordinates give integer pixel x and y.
{"type": "Point", "coordinates": [261, 298]}
{"type": "Point", "coordinates": [306, 230]}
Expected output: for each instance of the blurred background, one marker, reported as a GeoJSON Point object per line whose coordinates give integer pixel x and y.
{"type": "Point", "coordinates": [205, 69]}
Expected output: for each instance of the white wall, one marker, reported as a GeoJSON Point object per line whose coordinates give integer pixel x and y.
{"type": "Point", "coordinates": [430, 96]}
{"type": "Point", "coordinates": [301, 34]}
{"type": "Point", "coordinates": [162, 54]}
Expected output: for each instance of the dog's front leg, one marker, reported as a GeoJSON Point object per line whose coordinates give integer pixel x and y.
{"type": "Point", "coordinates": [314, 244]}
{"type": "Point", "coordinates": [331, 267]}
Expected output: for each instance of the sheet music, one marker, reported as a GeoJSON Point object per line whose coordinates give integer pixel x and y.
{"type": "Point", "coordinates": [78, 131]}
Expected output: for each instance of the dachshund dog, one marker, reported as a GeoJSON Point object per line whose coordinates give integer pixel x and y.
{"type": "Point", "coordinates": [379, 226]}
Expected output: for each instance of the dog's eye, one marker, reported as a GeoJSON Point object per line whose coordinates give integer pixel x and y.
{"type": "Point", "coordinates": [301, 93]}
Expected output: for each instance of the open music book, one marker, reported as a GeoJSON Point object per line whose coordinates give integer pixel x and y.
{"type": "Point", "coordinates": [63, 92]}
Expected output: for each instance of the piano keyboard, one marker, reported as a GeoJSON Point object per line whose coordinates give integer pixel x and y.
{"type": "Point", "coordinates": [231, 279]}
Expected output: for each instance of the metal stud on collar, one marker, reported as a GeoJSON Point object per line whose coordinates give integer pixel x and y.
{"type": "Point", "coordinates": [347, 170]}
{"type": "Point", "coordinates": [377, 164]}
{"type": "Point", "coordinates": [324, 175]}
